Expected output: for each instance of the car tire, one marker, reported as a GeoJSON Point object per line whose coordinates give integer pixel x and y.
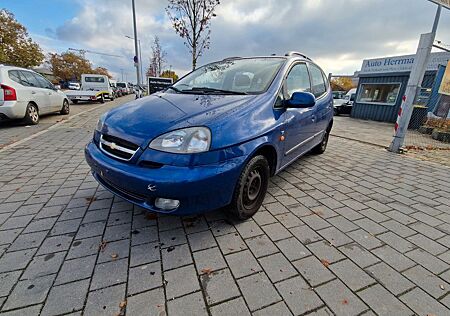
{"type": "Point", "coordinates": [65, 110]}
{"type": "Point", "coordinates": [111, 97]}
{"type": "Point", "coordinates": [31, 114]}
{"type": "Point", "coordinates": [102, 99]}
{"type": "Point", "coordinates": [336, 112]}
{"type": "Point", "coordinates": [322, 146]}
{"type": "Point", "coordinates": [251, 188]}
{"type": "Point", "coordinates": [74, 101]}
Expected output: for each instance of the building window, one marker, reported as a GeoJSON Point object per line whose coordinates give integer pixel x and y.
{"type": "Point", "coordinates": [379, 93]}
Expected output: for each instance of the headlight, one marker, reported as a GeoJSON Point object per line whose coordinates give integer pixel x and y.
{"type": "Point", "coordinates": [100, 122]}
{"type": "Point", "coordinates": [184, 141]}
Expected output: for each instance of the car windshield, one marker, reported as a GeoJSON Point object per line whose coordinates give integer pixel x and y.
{"type": "Point", "coordinates": [235, 76]}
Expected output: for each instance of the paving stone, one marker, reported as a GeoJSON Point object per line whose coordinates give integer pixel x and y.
{"type": "Point", "coordinates": [77, 292]}
{"type": "Point", "coordinates": [189, 305]}
{"type": "Point", "coordinates": [389, 278]}
{"type": "Point", "coordinates": [65, 227]}
{"type": "Point", "coordinates": [393, 258]}
{"type": "Point", "coordinates": [430, 283]}
{"type": "Point", "coordinates": [383, 302]}
{"type": "Point", "coordinates": [353, 276]}
{"type": "Point", "coordinates": [43, 265]}
{"type": "Point", "coordinates": [426, 260]}
{"type": "Point", "coordinates": [313, 270]}
{"type": "Point", "coordinates": [348, 213]}
{"type": "Point", "coordinates": [315, 222]}
{"type": "Point", "coordinates": [209, 260]}
{"type": "Point", "coordinates": [16, 222]}
{"type": "Point", "coordinates": [423, 304]}
{"type": "Point", "coordinates": [370, 226]}
{"type": "Point", "coordinates": [218, 286]}
{"type": "Point", "coordinates": [398, 228]}
{"type": "Point", "coordinates": [8, 280]}
{"type": "Point", "coordinates": [292, 249]}
{"type": "Point", "coordinates": [90, 230]}
{"type": "Point", "coordinates": [242, 263]}
{"type": "Point", "coordinates": [258, 291]}
{"type": "Point", "coordinates": [109, 273]}
{"type": "Point", "coordinates": [119, 218]}
{"type": "Point", "coordinates": [172, 238]}
{"type": "Point", "coordinates": [105, 301]}
{"type": "Point", "coordinates": [201, 240]}
{"type": "Point", "coordinates": [118, 232]}
{"type": "Point", "coordinates": [427, 244]}
{"type": "Point", "coordinates": [396, 242]}
{"type": "Point", "coordinates": [248, 229]}
{"type": "Point", "coordinates": [277, 267]}
{"type": "Point", "coordinates": [222, 227]}
{"type": "Point", "coordinates": [195, 224]}
{"type": "Point", "coordinates": [231, 243]}
{"type": "Point", "coordinates": [334, 236]}
{"type": "Point", "coordinates": [29, 292]}
{"type": "Point", "coordinates": [16, 260]}
{"type": "Point", "coordinates": [293, 289]}
{"type": "Point", "coordinates": [144, 253]}
{"type": "Point", "coordinates": [76, 269]}
{"type": "Point", "coordinates": [261, 246]}
{"type": "Point", "coordinates": [84, 247]}
{"type": "Point", "coordinates": [32, 310]}
{"type": "Point", "coordinates": [359, 255]}
{"type": "Point", "coordinates": [181, 281]}
{"type": "Point", "coordinates": [55, 244]}
{"type": "Point", "coordinates": [340, 299]}
{"type": "Point", "coordinates": [175, 257]}
{"type": "Point", "coordinates": [96, 216]}
{"type": "Point", "coordinates": [289, 220]}
{"type": "Point", "coordinates": [147, 303]}
{"type": "Point", "coordinates": [279, 308]}
{"type": "Point", "coordinates": [324, 251]}
{"type": "Point", "coordinates": [26, 241]}
{"type": "Point", "coordinates": [305, 234]}
{"type": "Point", "coordinates": [276, 231]}
{"type": "Point", "coordinates": [233, 307]}
{"type": "Point", "coordinates": [72, 213]}
{"type": "Point", "coordinates": [114, 250]}
{"type": "Point", "coordinates": [145, 277]}
{"type": "Point", "coordinates": [342, 224]}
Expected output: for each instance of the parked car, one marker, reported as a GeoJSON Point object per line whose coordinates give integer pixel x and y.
{"type": "Point", "coordinates": [93, 88]}
{"type": "Point", "coordinates": [25, 94]}
{"type": "Point", "coordinates": [338, 95]}
{"type": "Point", "coordinates": [214, 138]}
{"type": "Point", "coordinates": [123, 86]}
{"type": "Point", "coordinates": [74, 86]}
{"type": "Point", "coordinates": [345, 105]}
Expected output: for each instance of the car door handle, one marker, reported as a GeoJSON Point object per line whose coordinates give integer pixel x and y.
{"type": "Point", "coordinates": [33, 92]}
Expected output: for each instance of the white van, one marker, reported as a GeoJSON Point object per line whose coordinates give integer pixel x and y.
{"type": "Point", "coordinates": [344, 106]}
{"type": "Point", "coordinates": [93, 88]}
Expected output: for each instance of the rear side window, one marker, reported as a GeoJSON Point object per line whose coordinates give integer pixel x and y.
{"type": "Point", "coordinates": [28, 79]}
{"type": "Point", "coordinates": [14, 76]}
{"type": "Point", "coordinates": [43, 83]}
{"type": "Point", "coordinates": [317, 81]}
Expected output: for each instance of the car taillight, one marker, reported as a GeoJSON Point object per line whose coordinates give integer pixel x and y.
{"type": "Point", "coordinates": [9, 94]}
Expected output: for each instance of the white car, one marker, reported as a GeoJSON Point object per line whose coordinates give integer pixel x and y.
{"type": "Point", "coordinates": [25, 94]}
{"type": "Point", "coordinates": [74, 86]}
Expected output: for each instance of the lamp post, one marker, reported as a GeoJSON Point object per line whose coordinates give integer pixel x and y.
{"type": "Point", "coordinates": [136, 51]}
{"type": "Point", "coordinates": [140, 56]}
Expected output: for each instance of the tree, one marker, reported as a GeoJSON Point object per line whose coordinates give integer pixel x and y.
{"type": "Point", "coordinates": [157, 60]}
{"type": "Point", "coordinates": [191, 20]}
{"type": "Point", "coordinates": [102, 71]}
{"type": "Point", "coordinates": [342, 84]}
{"type": "Point", "coordinates": [16, 47]}
{"type": "Point", "coordinates": [69, 66]}
{"type": "Point", "coordinates": [169, 74]}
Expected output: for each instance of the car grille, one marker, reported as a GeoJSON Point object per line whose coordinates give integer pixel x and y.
{"type": "Point", "coordinates": [117, 147]}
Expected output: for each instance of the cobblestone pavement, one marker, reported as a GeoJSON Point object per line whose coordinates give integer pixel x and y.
{"type": "Point", "coordinates": [356, 231]}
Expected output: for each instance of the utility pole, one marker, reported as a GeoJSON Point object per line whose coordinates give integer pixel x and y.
{"type": "Point", "coordinates": [415, 80]}
{"type": "Point", "coordinates": [136, 50]}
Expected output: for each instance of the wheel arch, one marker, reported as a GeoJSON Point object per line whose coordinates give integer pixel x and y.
{"type": "Point", "coordinates": [270, 153]}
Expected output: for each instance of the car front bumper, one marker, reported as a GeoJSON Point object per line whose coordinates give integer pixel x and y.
{"type": "Point", "coordinates": [198, 188]}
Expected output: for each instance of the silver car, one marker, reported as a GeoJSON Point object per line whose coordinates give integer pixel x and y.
{"type": "Point", "coordinates": [25, 94]}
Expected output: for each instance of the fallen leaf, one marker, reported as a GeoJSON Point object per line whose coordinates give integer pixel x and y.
{"type": "Point", "coordinates": [90, 199]}
{"type": "Point", "coordinates": [114, 256]}
{"type": "Point", "coordinates": [442, 287]}
{"type": "Point", "coordinates": [151, 216]}
{"type": "Point", "coordinates": [207, 271]}
{"type": "Point", "coordinates": [123, 304]}
{"type": "Point", "coordinates": [344, 301]}
{"type": "Point", "coordinates": [326, 263]}
{"type": "Point", "coordinates": [102, 245]}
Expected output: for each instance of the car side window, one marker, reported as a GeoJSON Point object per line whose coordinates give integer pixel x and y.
{"type": "Point", "coordinates": [14, 76]}
{"type": "Point", "coordinates": [318, 83]}
{"type": "Point", "coordinates": [28, 79]}
{"type": "Point", "coordinates": [297, 80]}
{"type": "Point", "coordinates": [43, 83]}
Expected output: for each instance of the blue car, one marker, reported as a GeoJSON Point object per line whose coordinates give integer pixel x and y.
{"type": "Point", "coordinates": [213, 139]}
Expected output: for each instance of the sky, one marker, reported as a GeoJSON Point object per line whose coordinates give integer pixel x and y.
{"type": "Point", "coordinates": [337, 34]}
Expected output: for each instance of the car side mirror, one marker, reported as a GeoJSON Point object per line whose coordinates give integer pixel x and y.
{"type": "Point", "coordinates": [301, 100]}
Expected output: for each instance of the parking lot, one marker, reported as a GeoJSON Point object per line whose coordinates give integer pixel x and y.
{"type": "Point", "coordinates": [355, 231]}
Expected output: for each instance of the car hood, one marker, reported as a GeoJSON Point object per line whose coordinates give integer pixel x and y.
{"type": "Point", "coordinates": [142, 120]}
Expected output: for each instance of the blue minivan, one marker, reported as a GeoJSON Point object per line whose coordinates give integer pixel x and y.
{"type": "Point", "coordinates": [214, 138]}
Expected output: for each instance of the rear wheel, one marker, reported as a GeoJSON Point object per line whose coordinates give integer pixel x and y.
{"type": "Point", "coordinates": [31, 114]}
{"type": "Point", "coordinates": [65, 108]}
{"type": "Point", "coordinates": [251, 188]}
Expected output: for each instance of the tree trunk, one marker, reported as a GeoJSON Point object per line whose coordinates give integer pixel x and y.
{"type": "Point", "coordinates": [194, 56]}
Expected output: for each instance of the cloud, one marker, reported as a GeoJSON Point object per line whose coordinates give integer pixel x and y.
{"type": "Point", "coordinates": [338, 34]}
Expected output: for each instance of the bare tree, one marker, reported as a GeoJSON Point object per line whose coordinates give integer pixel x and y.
{"type": "Point", "coordinates": [191, 20]}
{"type": "Point", "coordinates": [157, 60]}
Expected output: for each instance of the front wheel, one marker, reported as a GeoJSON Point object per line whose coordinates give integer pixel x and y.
{"type": "Point", "coordinates": [65, 110]}
{"type": "Point", "coordinates": [322, 146]}
{"type": "Point", "coordinates": [251, 188]}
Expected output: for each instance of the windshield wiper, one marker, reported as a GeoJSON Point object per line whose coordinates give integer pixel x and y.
{"type": "Point", "coordinates": [213, 90]}
{"type": "Point", "coordinates": [174, 89]}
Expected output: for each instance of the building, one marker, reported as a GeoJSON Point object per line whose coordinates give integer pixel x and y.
{"type": "Point", "coordinates": [383, 81]}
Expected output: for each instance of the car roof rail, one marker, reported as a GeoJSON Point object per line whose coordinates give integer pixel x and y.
{"type": "Point", "coordinates": [292, 53]}
{"type": "Point", "coordinates": [233, 57]}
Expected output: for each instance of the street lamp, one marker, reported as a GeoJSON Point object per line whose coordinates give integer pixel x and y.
{"type": "Point", "coordinates": [140, 56]}
{"type": "Point", "coordinates": [136, 51]}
